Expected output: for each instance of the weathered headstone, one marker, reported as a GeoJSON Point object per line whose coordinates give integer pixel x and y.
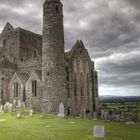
{"type": "Point", "coordinates": [85, 115]}
{"type": "Point", "coordinates": [31, 113]}
{"type": "Point", "coordinates": [1, 109]}
{"type": "Point", "coordinates": [5, 107]}
{"type": "Point", "coordinates": [122, 116]}
{"type": "Point", "coordinates": [19, 103]}
{"type": "Point", "coordinates": [14, 102]}
{"type": "Point", "coordinates": [99, 131]}
{"type": "Point", "coordinates": [18, 115]}
{"type": "Point", "coordinates": [117, 117]}
{"type": "Point", "coordinates": [61, 110]}
{"type": "Point", "coordinates": [102, 114]}
{"type": "Point", "coordinates": [23, 104]}
{"type": "Point", "coordinates": [8, 107]}
{"type": "Point", "coordinates": [95, 116]}
{"type": "Point", "coordinates": [105, 115]}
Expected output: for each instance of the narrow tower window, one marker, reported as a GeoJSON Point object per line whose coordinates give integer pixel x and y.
{"type": "Point", "coordinates": [35, 54]}
{"type": "Point", "coordinates": [4, 42]}
{"type": "Point", "coordinates": [81, 84]}
{"type": "Point", "coordinates": [48, 73]}
{"type": "Point", "coordinates": [44, 9]}
{"type": "Point", "coordinates": [75, 84]}
{"type": "Point", "coordinates": [35, 43]}
{"type": "Point", "coordinates": [14, 60]}
{"type": "Point", "coordinates": [57, 9]}
{"type": "Point", "coordinates": [67, 73]}
{"type": "Point", "coordinates": [87, 85]}
{"type": "Point", "coordinates": [1, 89]}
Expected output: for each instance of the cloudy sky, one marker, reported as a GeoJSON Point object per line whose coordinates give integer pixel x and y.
{"type": "Point", "coordinates": [110, 30]}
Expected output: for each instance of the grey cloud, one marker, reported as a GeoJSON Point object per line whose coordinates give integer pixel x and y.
{"type": "Point", "coordinates": [107, 27]}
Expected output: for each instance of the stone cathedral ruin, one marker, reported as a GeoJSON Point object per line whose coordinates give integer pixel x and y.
{"type": "Point", "coordinates": [35, 69]}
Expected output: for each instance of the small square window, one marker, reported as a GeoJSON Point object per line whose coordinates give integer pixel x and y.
{"type": "Point", "coordinates": [57, 9]}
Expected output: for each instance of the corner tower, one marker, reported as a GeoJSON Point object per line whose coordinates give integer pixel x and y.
{"type": "Point", "coordinates": [53, 70]}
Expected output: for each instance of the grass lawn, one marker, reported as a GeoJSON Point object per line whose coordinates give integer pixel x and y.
{"type": "Point", "coordinates": [54, 128]}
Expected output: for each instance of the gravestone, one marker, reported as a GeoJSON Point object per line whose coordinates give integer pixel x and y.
{"type": "Point", "coordinates": [102, 114]}
{"type": "Point", "coordinates": [8, 107]}
{"type": "Point", "coordinates": [99, 131]}
{"type": "Point", "coordinates": [1, 109]}
{"type": "Point", "coordinates": [61, 110]}
{"type": "Point", "coordinates": [117, 117]}
{"type": "Point", "coordinates": [18, 115]}
{"type": "Point", "coordinates": [122, 116]}
{"type": "Point", "coordinates": [85, 115]}
{"type": "Point", "coordinates": [31, 113]}
{"type": "Point", "coordinates": [105, 115]}
{"type": "Point", "coordinates": [14, 102]}
{"type": "Point", "coordinates": [19, 103]}
{"type": "Point", "coordinates": [23, 104]}
{"type": "Point", "coordinates": [95, 116]}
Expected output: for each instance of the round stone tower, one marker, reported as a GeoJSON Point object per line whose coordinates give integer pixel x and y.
{"type": "Point", "coordinates": [53, 69]}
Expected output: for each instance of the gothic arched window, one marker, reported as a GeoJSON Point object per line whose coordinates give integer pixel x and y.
{"type": "Point", "coordinates": [4, 42]}
{"type": "Point", "coordinates": [87, 84]}
{"type": "Point", "coordinates": [57, 9]}
{"type": "Point", "coordinates": [81, 85]}
{"type": "Point", "coordinates": [34, 88]}
{"type": "Point", "coordinates": [16, 86]}
{"type": "Point", "coordinates": [75, 84]}
{"type": "Point", "coordinates": [35, 54]}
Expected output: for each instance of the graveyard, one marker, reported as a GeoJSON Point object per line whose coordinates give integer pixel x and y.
{"type": "Point", "coordinates": [131, 109]}
{"type": "Point", "coordinates": [56, 128]}
{"type": "Point", "coordinates": [18, 122]}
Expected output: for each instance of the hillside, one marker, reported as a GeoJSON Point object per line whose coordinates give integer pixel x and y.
{"type": "Point", "coordinates": [119, 99]}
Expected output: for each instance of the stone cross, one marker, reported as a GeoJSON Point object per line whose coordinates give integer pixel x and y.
{"type": "Point", "coordinates": [61, 110]}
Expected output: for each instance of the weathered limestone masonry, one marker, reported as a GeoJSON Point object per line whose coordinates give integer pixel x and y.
{"type": "Point", "coordinates": [35, 69]}
{"type": "Point", "coordinates": [53, 72]}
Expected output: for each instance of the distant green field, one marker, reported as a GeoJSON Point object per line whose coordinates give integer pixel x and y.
{"type": "Point", "coordinates": [54, 128]}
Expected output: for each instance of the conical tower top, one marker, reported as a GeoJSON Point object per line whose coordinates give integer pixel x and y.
{"type": "Point", "coordinates": [56, 1]}
{"type": "Point", "coordinates": [52, 0]}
